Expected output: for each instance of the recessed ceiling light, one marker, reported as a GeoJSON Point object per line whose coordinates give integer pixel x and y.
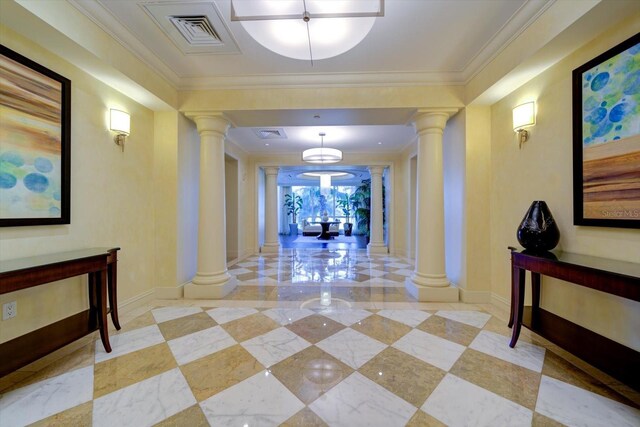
{"type": "Point", "coordinates": [379, 143]}
{"type": "Point", "coordinates": [266, 144]}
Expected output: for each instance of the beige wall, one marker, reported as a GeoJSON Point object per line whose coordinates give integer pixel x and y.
{"type": "Point", "coordinates": [542, 170]}
{"type": "Point", "coordinates": [112, 200]}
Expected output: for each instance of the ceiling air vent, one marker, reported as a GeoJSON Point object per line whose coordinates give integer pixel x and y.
{"type": "Point", "coordinates": [197, 30]}
{"type": "Point", "coordinates": [271, 133]}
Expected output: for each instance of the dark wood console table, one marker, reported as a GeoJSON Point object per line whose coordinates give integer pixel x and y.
{"type": "Point", "coordinates": [605, 275]}
{"type": "Point", "coordinates": [101, 266]}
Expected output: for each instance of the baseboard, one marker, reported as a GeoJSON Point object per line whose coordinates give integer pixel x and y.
{"type": "Point", "coordinates": [137, 301]}
{"type": "Point", "coordinates": [170, 292]}
{"type": "Point", "coordinates": [474, 297]}
{"type": "Point", "coordinates": [500, 302]}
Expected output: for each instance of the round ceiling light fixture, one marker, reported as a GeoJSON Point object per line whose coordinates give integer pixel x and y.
{"type": "Point", "coordinates": [307, 29]}
{"type": "Point", "coordinates": [322, 155]}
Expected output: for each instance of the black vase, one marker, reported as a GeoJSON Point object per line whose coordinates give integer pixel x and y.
{"type": "Point", "coordinates": [538, 230]}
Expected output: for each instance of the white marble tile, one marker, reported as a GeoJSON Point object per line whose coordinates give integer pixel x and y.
{"type": "Point", "coordinates": [375, 273]}
{"type": "Point", "coordinates": [286, 316]}
{"type": "Point", "coordinates": [169, 313]}
{"type": "Point", "coordinates": [129, 342]}
{"type": "Point", "coordinates": [358, 401]}
{"type": "Point", "coordinates": [471, 318]}
{"type": "Point", "coordinates": [248, 264]}
{"type": "Point", "coordinates": [275, 346]}
{"type": "Point", "coordinates": [257, 401]}
{"type": "Point", "coordinates": [237, 271]}
{"type": "Point", "coordinates": [199, 344]}
{"type": "Point", "coordinates": [224, 315]}
{"type": "Point", "coordinates": [347, 317]}
{"type": "Point", "coordinates": [409, 317]}
{"type": "Point", "coordinates": [398, 265]}
{"type": "Point", "coordinates": [40, 400]}
{"type": "Point", "coordinates": [404, 272]}
{"type": "Point", "coordinates": [351, 347]}
{"type": "Point", "coordinates": [457, 402]}
{"type": "Point", "coordinates": [524, 354]}
{"type": "Point", "coordinates": [574, 406]}
{"type": "Point", "coordinates": [144, 403]}
{"type": "Point", "coordinates": [430, 348]}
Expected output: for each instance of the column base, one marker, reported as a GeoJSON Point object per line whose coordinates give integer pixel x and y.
{"type": "Point", "coordinates": [206, 288]}
{"type": "Point", "coordinates": [377, 248]}
{"type": "Point", "coordinates": [270, 248]}
{"type": "Point", "coordinates": [431, 293]}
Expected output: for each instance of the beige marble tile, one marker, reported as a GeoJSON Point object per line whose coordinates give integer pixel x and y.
{"type": "Point", "coordinates": [186, 325]}
{"type": "Point", "coordinates": [219, 371]}
{"type": "Point", "coordinates": [449, 329]}
{"type": "Point", "coordinates": [540, 420]}
{"type": "Point", "coordinates": [16, 377]}
{"type": "Point", "coordinates": [252, 293]}
{"type": "Point", "coordinates": [315, 328]}
{"type": "Point", "coordinates": [558, 368]}
{"type": "Point", "coordinates": [80, 358]}
{"type": "Point", "coordinates": [510, 381]}
{"type": "Point", "coordinates": [191, 417]}
{"type": "Point", "coordinates": [304, 418]}
{"type": "Point", "coordinates": [422, 419]}
{"type": "Point", "coordinates": [382, 329]}
{"type": "Point", "coordinates": [114, 374]}
{"type": "Point", "coordinates": [404, 375]}
{"type": "Point", "coordinates": [141, 321]}
{"type": "Point", "coordinates": [310, 373]}
{"type": "Point", "coordinates": [250, 327]}
{"type": "Point", "coordinates": [499, 326]}
{"type": "Point", "coordinates": [81, 415]}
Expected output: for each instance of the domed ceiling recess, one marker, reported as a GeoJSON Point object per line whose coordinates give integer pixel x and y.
{"type": "Point", "coordinates": [296, 175]}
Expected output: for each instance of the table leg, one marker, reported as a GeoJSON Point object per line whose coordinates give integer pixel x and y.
{"type": "Point", "coordinates": [101, 297]}
{"type": "Point", "coordinates": [513, 293]}
{"type": "Point", "coordinates": [535, 291]}
{"type": "Point", "coordinates": [112, 275]}
{"type": "Point", "coordinates": [518, 306]}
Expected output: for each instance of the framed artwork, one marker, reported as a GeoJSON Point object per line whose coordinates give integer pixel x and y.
{"type": "Point", "coordinates": [35, 124]}
{"type": "Point", "coordinates": [606, 138]}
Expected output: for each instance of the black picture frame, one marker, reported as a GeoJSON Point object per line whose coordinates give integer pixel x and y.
{"type": "Point", "coordinates": [10, 98]}
{"type": "Point", "coordinates": [605, 196]}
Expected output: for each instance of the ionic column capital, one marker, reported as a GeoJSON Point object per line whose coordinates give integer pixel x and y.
{"type": "Point", "coordinates": [271, 170]}
{"type": "Point", "coordinates": [432, 120]}
{"type": "Point", "coordinates": [214, 122]}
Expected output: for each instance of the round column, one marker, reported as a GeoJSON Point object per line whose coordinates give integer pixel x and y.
{"type": "Point", "coordinates": [271, 241]}
{"type": "Point", "coordinates": [212, 279]}
{"type": "Point", "coordinates": [429, 281]}
{"type": "Point", "coordinates": [376, 233]}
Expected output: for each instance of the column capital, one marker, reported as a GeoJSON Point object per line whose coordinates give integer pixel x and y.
{"type": "Point", "coordinates": [376, 170]}
{"type": "Point", "coordinates": [434, 119]}
{"type": "Point", "coordinates": [210, 121]}
{"type": "Point", "coordinates": [271, 170]}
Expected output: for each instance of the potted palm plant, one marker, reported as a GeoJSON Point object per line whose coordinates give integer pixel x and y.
{"type": "Point", "coordinates": [345, 203]}
{"type": "Point", "coordinates": [293, 203]}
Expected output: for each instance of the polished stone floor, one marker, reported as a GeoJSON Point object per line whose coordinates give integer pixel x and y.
{"type": "Point", "coordinates": [315, 338]}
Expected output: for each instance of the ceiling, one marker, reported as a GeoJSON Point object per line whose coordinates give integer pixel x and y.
{"type": "Point", "coordinates": [415, 42]}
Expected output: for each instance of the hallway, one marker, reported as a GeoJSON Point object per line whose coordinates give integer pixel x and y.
{"type": "Point", "coordinates": [313, 338]}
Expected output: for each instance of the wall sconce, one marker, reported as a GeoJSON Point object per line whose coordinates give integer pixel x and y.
{"type": "Point", "coordinates": [120, 123]}
{"type": "Point", "coordinates": [524, 115]}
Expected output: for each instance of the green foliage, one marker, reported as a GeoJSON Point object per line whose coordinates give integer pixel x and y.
{"type": "Point", "coordinates": [293, 203]}
{"type": "Point", "coordinates": [362, 206]}
{"type": "Point", "coordinates": [345, 202]}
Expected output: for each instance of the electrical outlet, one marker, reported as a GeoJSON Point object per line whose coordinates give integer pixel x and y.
{"type": "Point", "coordinates": [9, 310]}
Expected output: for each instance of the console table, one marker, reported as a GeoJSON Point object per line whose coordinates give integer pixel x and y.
{"type": "Point", "coordinates": [605, 275]}
{"type": "Point", "coordinates": [101, 266]}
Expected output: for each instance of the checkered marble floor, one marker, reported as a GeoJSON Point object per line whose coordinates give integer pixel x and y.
{"type": "Point", "coordinates": [314, 360]}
